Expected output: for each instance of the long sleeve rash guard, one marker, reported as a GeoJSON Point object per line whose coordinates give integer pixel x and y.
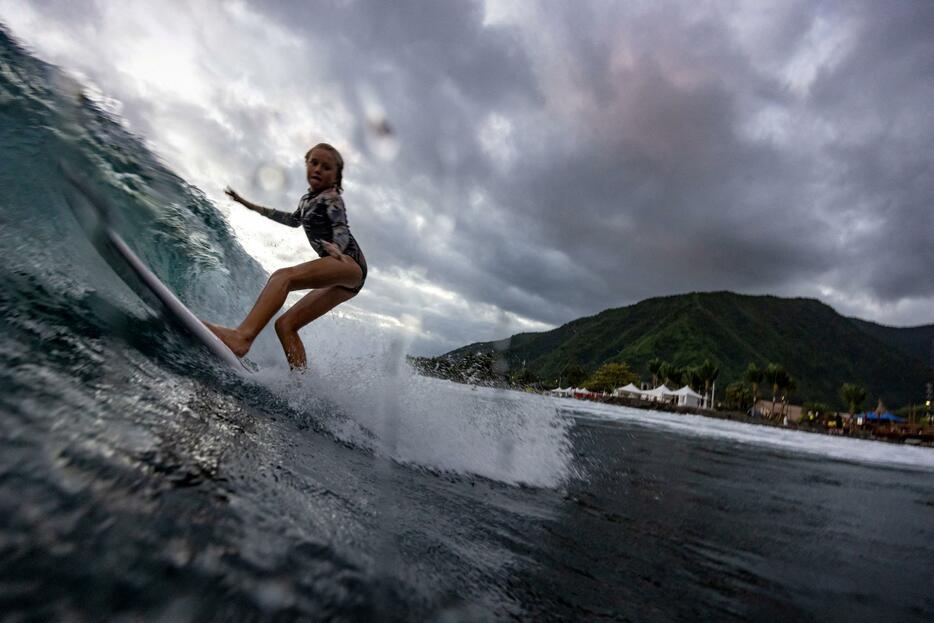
{"type": "Point", "coordinates": [322, 215]}
{"type": "Point", "coordinates": [324, 218]}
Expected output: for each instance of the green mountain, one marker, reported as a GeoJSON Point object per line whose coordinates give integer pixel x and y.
{"type": "Point", "coordinates": [820, 348]}
{"type": "Point", "coordinates": [918, 342]}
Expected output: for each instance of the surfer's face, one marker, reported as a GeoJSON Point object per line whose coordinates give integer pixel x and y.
{"type": "Point", "coordinates": [321, 169]}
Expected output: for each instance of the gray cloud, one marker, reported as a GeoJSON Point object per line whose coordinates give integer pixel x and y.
{"type": "Point", "coordinates": [560, 159]}
{"type": "Point", "coordinates": [670, 194]}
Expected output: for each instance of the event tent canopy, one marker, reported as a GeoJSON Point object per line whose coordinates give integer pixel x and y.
{"type": "Point", "coordinates": [687, 391]}
{"type": "Point", "coordinates": [888, 416]}
{"type": "Point", "coordinates": [661, 390]}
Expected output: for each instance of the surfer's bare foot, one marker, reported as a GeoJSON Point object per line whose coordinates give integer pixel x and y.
{"type": "Point", "coordinates": [237, 344]}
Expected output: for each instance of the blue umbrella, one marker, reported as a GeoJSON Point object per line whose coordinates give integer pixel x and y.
{"type": "Point", "coordinates": [890, 417]}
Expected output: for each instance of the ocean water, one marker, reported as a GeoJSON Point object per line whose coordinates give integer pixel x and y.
{"type": "Point", "coordinates": [140, 480]}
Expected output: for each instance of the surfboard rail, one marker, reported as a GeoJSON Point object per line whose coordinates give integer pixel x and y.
{"type": "Point", "coordinates": [134, 272]}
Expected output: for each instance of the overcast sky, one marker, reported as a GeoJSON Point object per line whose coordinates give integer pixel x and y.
{"type": "Point", "coordinates": [512, 166]}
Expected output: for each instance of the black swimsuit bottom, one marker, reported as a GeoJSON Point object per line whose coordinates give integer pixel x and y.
{"type": "Point", "coordinates": [353, 250]}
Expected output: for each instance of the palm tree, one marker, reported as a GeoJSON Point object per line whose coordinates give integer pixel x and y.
{"type": "Point", "coordinates": [785, 383]}
{"type": "Point", "coordinates": [655, 364]}
{"type": "Point", "coordinates": [853, 395]}
{"type": "Point", "coordinates": [790, 386]}
{"type": "Point", "coordinates": [677, 375]}
{"type": "Point", "coordinates": [737, 395]}
{"type": "Point", "coordinates": [753, 376]}
{"type": "Point", "coordinates": [708, 373]}
{"type": "Point", "coordinates": [774, 375]}
{"type": "Point", "coordinates": [693, 377]}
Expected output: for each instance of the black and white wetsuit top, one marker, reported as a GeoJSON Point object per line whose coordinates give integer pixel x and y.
{"type": "Point", "coordinates": [323, 216]}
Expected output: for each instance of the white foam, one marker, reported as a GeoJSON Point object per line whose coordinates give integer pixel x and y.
{"type": "Point", "coordinates": [840, 448]}
{"type": "Point", "coordinates": [361, 389]}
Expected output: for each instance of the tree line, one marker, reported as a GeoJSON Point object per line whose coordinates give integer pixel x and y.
{"type": "Point", "coordinates": [773, 381]}
{"type": "Point", "coordinates": [744, 394]}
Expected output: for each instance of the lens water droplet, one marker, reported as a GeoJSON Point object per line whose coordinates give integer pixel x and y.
{"type": "Point", "coordinates": [378, 133]}
{"type": "Point", "coordinates": [270, 177]}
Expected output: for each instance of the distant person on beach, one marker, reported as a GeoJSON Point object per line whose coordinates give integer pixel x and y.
{"type": "Point", "coordinates": [336, 276]}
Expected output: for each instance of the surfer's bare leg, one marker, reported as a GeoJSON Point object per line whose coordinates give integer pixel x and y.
{"type": "Point", "coordinates": [313, 305]}
{"type": "Point", "coordinates": [321, 273]}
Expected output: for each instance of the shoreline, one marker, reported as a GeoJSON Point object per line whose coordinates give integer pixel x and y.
{"type": "Point", "coordinates": [907, 435]}
{"type": "Point", "coordinates": [889, 434]}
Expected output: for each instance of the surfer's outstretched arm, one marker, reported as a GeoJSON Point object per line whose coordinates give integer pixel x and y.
{"type": "Point", "coordinates": [292, 219]}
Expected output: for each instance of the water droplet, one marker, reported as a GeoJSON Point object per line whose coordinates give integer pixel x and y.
{"type": "Point", "coordinates": [270, 177]}
{"type": "Point", "coordinates": [378, 134]}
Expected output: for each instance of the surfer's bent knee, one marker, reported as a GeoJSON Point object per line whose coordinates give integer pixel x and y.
{"type": "Point", "coordinates": [283, 325]}
{"type": "Point", "coordinates": [281, 278]}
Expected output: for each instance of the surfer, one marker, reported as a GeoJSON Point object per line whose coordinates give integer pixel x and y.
{"type": "Point", "coordinates": [336, 276]}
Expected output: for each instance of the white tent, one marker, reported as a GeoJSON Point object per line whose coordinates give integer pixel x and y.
{"type": "Point", "coordinates": [659, 394]}
{"type": "Point", "coordinates": [687, 397]}
{"type": "Point", "coordinates": [630, 390]}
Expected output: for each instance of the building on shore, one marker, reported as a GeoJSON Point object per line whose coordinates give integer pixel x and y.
{"type": "Point", "coordinates": [792, 412]}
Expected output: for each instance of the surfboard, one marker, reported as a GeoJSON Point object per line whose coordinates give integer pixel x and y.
{"type": "Point", "coordinates": [93, 215]}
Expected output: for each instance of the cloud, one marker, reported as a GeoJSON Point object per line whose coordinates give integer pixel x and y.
{"type": "Point", "coordinates": [511, 166]}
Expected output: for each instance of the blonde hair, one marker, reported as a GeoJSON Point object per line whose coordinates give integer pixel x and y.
{"type": "Point", "coordinates": [337, 156]}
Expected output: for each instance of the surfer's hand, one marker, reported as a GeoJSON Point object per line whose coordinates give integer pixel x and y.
{"type": "Point", "coordinates": [230, 192]}
{"type": "Point", "coordinates": [334, 251]}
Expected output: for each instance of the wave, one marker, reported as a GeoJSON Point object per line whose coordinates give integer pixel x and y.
{"type": "Point", "coordinates": [359, 390]}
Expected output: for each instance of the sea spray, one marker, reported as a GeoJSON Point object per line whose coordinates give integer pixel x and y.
{"type": "Point", "coordinates": [358, 377]}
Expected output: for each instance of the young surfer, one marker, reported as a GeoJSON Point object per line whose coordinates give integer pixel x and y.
{"type": "Point", "coordinates": [336, 276]}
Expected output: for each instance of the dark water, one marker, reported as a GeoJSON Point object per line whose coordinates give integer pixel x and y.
{"type": "Point", "coordinates": [673, 527]}
{"type": "Point", "coordinates": [140, 481]}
